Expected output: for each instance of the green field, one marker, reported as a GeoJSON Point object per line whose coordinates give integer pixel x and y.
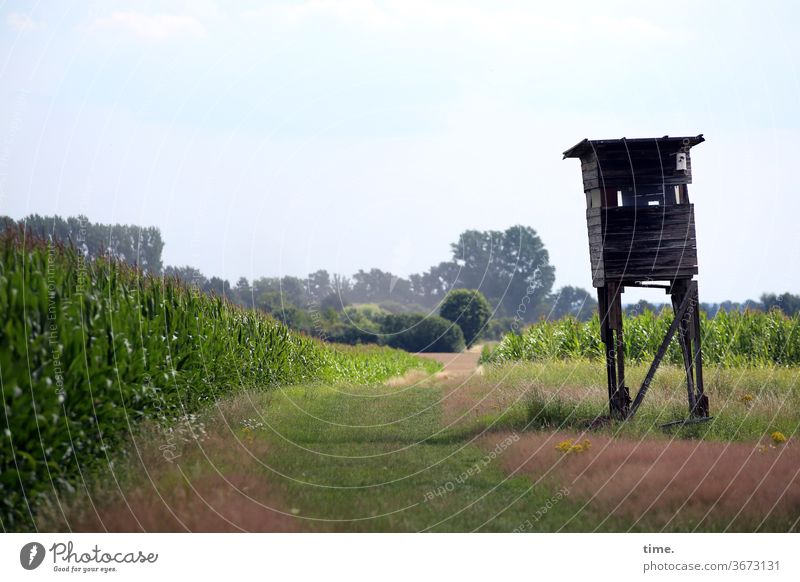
{"type": "Point", "coordinates": [90, 349]}
{"type": "Point", "coordinates": [751, 338]}
{"type": "Point", "coordinates": [338, 461]}
{"type": "Point", "coordinates": [400, 457]}
{"type": "Point", "coordinates": [133, 403]}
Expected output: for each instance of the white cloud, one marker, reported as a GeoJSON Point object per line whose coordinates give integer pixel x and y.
{"type": "Point", "coordinates": [23, 22]}
{"type": "Point", "coordinates": [150, 26]}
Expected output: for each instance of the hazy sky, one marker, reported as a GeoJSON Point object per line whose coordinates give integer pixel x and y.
{"type": "Point", "coordinates": [280, 138]}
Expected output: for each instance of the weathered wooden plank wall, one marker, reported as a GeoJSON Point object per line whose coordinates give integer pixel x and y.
{"type": "Point", "coordinates": [630, 243]}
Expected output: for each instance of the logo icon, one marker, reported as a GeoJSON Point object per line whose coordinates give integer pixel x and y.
{"type": "Point", "coordinates": [31, 555]}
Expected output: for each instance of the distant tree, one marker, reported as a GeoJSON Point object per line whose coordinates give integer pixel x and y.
{"type": "Point", "coordinates": [267, 294]}
{"type": "Point", "coordinates": [786, 302]}
{"type": "Point", "coordinates": [332, 301]}
{"type": "Point", "coordinates": [270, 293]}
{"type": "Point", "coordinates": [218, 287]}
{"type": "Point", "coordinates": [135, 245]}
{"type": "Point", "coordinates": [242, 292]}
{"type": "Point", "coordinates": [342, 285]}
{"type": "Point", "coordinates": [641, 306]}
{"type": "Point", "coordinates": [512, 268]}
{"type": "Point", "coordinates": [749, 304]}
{"type": "Point", "coordinates": [293, 291]}
{"type": "Point", "coordinates": [318, 285]}
{"type": "Point", "coordinates": [189, 275]}
{"type": "Point", "coordinates": [572, 301]}
{"type": "Point", "coordinates": [430, 287]}
{"type": "Point", "coordinates": [270, 302]}
{"type": "Point", "coordinates": [468, 309]}
{"type": "Point", "coordinates": [374, 285]}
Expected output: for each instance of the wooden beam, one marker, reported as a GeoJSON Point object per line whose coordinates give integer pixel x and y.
{"type": "Point", "coordinates": [701, 404]}
{"type": "Point", "coordinates": [687, 299]}
{"type": "Point", "coordinates": [607, 335]}
{"type": "Point", "coordinates": [684, 338]}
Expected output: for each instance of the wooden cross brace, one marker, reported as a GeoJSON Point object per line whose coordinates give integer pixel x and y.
{"type": "Point", "coordinates": [698, 402]}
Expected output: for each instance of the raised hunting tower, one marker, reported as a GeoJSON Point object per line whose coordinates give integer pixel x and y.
{"type": "Point", "coordinates": [642, 234]}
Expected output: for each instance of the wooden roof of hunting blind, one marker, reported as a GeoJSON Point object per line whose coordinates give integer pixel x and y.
{"type": "Point", "coordinates": [627, 161]}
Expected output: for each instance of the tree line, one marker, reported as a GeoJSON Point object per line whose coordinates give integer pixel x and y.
{"type": "Point", "coordinates": [135, 245]}
{"type": "Point", "coordinates": [511, 268]}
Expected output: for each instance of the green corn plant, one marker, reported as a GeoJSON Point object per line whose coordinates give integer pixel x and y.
{"type": "Point", "coordinates": [87, 349]}
{"type": "Point", "coordinates": [751, 338]}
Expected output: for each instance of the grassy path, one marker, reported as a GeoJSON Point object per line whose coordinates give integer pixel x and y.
{"type": "Point", "coordinates": [419, 455]}
{"type": "Point", "coordinates": [376, 458]}
{"type": "Point", "coordinates": [314, 458]}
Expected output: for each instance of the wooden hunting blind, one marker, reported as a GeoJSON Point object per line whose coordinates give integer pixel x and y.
{"type": "Point", "coordinates": [642, 234]}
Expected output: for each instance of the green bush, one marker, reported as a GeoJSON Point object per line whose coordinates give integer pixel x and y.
{"type": "Point", "coordinates": [415, 332]}
{"type": "Point", "coordinates": [88, 348]}
{"type": "Point", "coordinates": [469, 309]}
{"type": "Point", "coordinates": [342, 333]}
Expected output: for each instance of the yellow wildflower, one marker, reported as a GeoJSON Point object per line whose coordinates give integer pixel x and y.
{"type": "Point", "coordinates": [569, 446]}
{"type": "Point", "coordinates": [778, 437]}
{"type": "Point", "coordinates": [564, 446]}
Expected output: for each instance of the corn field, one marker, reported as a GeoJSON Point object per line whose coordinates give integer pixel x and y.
{"type": "Point", "coordinates": [751, 338]}
{"type": "Point", "coordinates": [87, 349]}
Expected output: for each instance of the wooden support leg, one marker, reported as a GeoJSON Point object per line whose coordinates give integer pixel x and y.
{"type": "Point", "coordinates": [700, 408]}
{"type": "Point", "coordinates": [602, 311]}
{"type": "Point", "coordinates": [607, 336]}
{"type": "Point", "coordinates": [610, 307]}
{"type": "Point", "coordinates": [685, 339]}
{"type": "Point", "coordinates": [621, 399]}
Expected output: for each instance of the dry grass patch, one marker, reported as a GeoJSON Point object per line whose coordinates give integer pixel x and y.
{"type": "Point", "coordinates": [410, 378]}
{"type": "Point", "coordinates": [199, 477]}
{"type": "Point", "coordinates": [659, 483]}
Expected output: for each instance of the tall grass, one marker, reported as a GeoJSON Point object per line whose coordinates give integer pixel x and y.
{"type": "Point", "coordinates": [747, 404]}
{"type": "Point", "coordinates": [89, 348]}
{"type": "Point", "coordinates": [729, 339]}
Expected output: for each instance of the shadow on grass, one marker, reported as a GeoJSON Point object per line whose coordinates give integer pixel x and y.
{"type": "Point", "coordinates": [539, 412]}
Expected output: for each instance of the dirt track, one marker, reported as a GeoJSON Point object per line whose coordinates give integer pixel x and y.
{"type": "Point", "coordinates": [461, 364]}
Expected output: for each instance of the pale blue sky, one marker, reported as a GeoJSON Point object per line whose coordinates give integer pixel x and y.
{"type": "Point", "coordinates": [280, 138]}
